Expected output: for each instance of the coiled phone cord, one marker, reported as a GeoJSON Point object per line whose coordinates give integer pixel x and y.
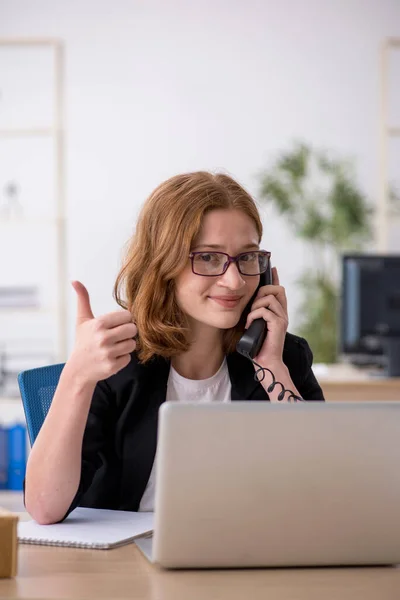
{"type": "Point", "coordinates": [271, 387]}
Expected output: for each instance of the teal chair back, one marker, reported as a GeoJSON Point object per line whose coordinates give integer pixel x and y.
{"type": "Point", "coordinates": [37, 387]}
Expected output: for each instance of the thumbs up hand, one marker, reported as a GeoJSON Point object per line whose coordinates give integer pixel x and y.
{"type": "Point", "coordinates": [102, 345]}
{"type": "Point", "coordinates": [84, 310]}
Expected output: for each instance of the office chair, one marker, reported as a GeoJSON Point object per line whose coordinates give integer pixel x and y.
{"type": "Point", "coordinates": [37, 387]}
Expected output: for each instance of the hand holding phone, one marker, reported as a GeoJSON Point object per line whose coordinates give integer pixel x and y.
{"type": "Point", "coordinates": [253, 338]}
{"type": "Point", "coordinates": [252, 341]}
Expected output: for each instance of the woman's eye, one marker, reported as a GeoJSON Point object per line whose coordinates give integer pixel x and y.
{"type": "Point", "coordinates": [250, 257]}
{"type": "Point", "coordinates": [208, 257]}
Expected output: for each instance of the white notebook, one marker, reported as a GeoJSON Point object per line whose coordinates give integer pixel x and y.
{"type": "Point", "coordinates": [89, 528]}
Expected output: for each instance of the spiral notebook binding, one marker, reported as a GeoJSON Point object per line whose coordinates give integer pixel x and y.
{"type": "Point", "coordinates": [70, 544]}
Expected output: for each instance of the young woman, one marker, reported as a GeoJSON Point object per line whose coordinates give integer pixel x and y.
{"type": "Point", "coordinates": [192, 267]}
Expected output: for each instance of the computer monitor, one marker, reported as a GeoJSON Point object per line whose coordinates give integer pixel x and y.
{"type": "Point", "coordinates": [370, 310]}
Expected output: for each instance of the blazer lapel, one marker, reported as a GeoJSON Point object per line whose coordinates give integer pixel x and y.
{"type": "Point", "coordinates": [241, 373]}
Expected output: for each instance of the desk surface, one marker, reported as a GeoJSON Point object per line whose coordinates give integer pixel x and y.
{"type": "Point", "coordinates": [52, 572]}
{"type": "Point", "coordinates": [365, 390]}
{"type": "Point", "coordinates": [46, 572]}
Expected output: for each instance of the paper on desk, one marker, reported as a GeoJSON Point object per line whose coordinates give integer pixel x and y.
{"type": "Point", "coordinates": [89, 528]}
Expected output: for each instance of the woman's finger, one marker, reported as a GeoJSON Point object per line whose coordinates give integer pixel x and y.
{"type": "Point", "coordinates": [121, 333]}
{"type": "Point", "coordinates": [268, 315]}
{"type": "Point", "coordinates": [275, 276]}
{"type": "Point", "coordinates": [123, 348]}
{"type": "Point", "coordinates": [272, 303]}
{"type": "Point", "coordinates": [275, 290]}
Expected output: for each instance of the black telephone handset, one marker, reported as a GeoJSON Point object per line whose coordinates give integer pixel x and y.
{"type": "Point", "coordinates": [251, 341]}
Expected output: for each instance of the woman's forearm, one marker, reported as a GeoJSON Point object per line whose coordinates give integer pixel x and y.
{"type": "Point", "coordinates": [54, 465]}
{"type": "Point", "coordinates": [281, 374]}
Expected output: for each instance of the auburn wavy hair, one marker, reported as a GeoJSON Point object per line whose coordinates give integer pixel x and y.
{"type": "Point", "coordinates": [159, 250]}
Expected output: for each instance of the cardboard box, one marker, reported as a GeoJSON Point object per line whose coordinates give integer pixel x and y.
{"type": "Point", "coordinates": [8, 543]}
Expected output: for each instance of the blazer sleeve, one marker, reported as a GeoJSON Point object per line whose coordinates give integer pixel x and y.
{"type": "Point", "coordinates": [309, 388]}
{"type": "Point", "coordinates": [97, 437]}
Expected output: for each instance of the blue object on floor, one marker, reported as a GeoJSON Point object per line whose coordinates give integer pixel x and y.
{"type": "Point", "coordinates": [16, 457]}
{"type": "Point", "coordinates": [3, 458]}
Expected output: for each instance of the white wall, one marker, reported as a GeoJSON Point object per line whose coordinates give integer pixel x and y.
{"type": "Point", "coordinates": [155, 88]}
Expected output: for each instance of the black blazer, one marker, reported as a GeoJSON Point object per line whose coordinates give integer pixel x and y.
{"type": "Point", "coordinates": [119, 442]}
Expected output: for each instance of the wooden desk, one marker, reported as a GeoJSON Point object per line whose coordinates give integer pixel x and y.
{"type": "Point", "coordinates": [346, 382]}
{"type": "Point", "coordinates": [361, 390]}
{"type": "Point", "coordinates": [47, 572]}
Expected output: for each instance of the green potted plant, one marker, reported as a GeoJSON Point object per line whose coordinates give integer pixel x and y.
{"type": "Point", "coordinates": [325, 207]}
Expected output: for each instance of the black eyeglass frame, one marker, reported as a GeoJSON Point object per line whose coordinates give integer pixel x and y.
{"type": "Point", "coordinates": [231, 259]}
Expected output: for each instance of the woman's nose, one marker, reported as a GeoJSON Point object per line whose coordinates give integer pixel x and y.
{"type": "Point", "coordinates": [232, 278]}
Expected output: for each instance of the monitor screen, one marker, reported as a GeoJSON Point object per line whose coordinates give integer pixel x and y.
{"type": "Point", "coordinates": [370, 304]}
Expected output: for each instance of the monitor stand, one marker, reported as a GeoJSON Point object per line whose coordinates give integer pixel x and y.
{"type": "Point", "coordinates": [392, 352]}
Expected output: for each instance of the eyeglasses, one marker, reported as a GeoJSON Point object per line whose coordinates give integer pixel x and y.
{"type": "Point", "coordinates": [213, 264]}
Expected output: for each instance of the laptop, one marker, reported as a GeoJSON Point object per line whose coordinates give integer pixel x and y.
{"type": "Point", "coordinates": [255, 484]}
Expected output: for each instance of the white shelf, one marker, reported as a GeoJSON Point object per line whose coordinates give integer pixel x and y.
{"type": "Point", "coordinates": [6, 400]}
{"type": "Point", "coordinates": [11, 411]}
{"type": "Point", "coordinates": [52, 129]}
{"type": "Point", "coordinates": [29, 222]}
{"type": "Point", "coordinates": [39, 132]}
{"type": "Point", "coordinates": [387, 131]}
{"type": "Point", "coordinates": [27, 310]}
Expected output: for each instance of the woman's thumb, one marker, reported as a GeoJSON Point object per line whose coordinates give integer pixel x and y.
{"type": "Point", "coordinates": [84, 310]}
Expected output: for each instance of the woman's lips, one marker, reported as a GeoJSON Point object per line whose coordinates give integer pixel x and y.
{"type": "Point", "coordinates": [226, 301]}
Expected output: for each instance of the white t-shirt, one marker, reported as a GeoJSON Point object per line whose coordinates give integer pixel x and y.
{"type": "Point", "coordinates": [179, 389]}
